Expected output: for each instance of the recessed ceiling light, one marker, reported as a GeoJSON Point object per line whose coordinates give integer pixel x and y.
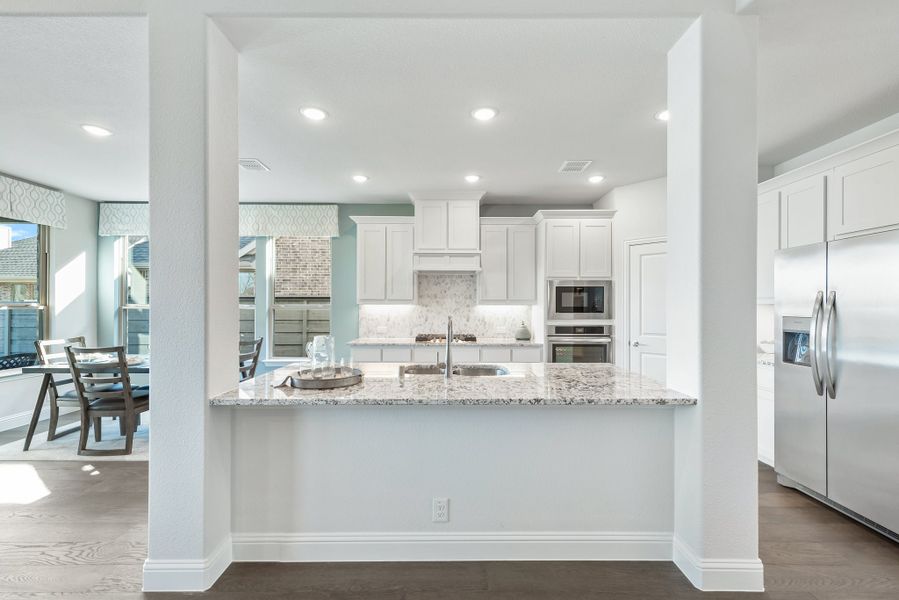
{"type": "Point", "coordinates": [360, 178]}
{"type": "Point", "coordinates": [484, 114]}
{"type": "Point", "coordinates": [595, 179]}
{"type": "Point", "coordinates": [96, 130]}
{"type": "Point", "coordinates": [472, 178]}
{"type": "Point", "coordinates": [663, 115]}
{"type": "Point", "coordinates": [313, 113]}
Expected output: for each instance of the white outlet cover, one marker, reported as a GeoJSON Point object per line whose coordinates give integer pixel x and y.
{"type": "Point", "coordinates": [440, 510]}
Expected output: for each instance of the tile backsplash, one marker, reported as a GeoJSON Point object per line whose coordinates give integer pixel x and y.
{"type": "Point", "coordinates": [441, 295]}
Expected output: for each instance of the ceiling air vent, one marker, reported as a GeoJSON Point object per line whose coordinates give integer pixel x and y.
{"type": "Point", "coordinates": [252, 164]}
{"type": "Point", "coordinates": [575, 166]}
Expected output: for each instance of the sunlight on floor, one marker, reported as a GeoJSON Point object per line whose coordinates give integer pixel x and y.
{"type": "Point", "coordinates": [21, 484]}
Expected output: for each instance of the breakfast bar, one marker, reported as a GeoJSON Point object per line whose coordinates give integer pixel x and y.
{"type": "Point", "coordinates": [547, 461]}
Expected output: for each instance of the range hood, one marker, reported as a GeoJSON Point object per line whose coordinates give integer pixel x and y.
{"type": "Point", "coordinates": [447, 231]}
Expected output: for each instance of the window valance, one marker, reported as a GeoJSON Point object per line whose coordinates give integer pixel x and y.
{"type": "Point", "coordinates": [30, 202]}
{"type": "Point", "coordinates": [268, 220]}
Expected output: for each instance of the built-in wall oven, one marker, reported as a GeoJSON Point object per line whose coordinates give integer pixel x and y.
{"type": "Point", "coordinates": [576, 300]}
{"type": "Point", "coordinates": [579, 344]}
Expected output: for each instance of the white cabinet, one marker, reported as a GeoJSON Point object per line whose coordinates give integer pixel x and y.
{"type": "Point", "coordinates": [527, 354]}
{"type": "Point", "coordinates": [496, 354]}
{"type": "Point", "coordinates": [508, 263]}
{"type": "Point", "coordinates": [493, 280]}
{"type": "Point", "coordinates": [433, 353]}
{"type": "Point", "coordinates": [431, 224]}
{"type": "Point", "coordinates": [522, 263]}
{"type": "Point", "coordinates": [802, 211]}
{"type": "Point", "coordinates": [596, 249]}
{"type": "Point", "coordinates": [447, 222]}
{"type": "Point", "coordinates": [463, 221]}
{"type": "Point", "coordinates": [865, 194]}
{"type": "Point", "coordinates": [579, 248]}
{"type": "Point", "coordinates": [371, 262]}
{"type": "Point", "coordinates": [400, 279]}
{"type": "Point", "coordinates": [563, 248]}
{"type": "Point", "coordinates": [384, 260]}
{"type": "Point", "coordinates": [768, 242]}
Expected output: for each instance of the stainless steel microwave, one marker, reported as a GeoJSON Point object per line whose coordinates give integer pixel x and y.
{"type": "Point", "coordinates": [573, 299]}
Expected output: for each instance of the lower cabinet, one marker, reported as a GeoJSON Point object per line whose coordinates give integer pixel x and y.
{"type": "Point", "coordinates": [766, 414]}
{"type": "Point", "coordinates": [461, 354]}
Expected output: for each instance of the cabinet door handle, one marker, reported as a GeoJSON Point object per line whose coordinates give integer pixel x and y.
{"type": "Point", "coordinates": [636, 344]}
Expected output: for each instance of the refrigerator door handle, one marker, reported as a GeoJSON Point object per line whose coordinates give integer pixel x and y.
{"type": "Point", "coordinates": [827, 338]}
{"type": "Point", "coordinates": [814, 347]}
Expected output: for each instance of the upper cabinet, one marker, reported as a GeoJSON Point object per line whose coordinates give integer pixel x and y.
{"type": "Point", "coordinates": [577, 247]}
{"type": "Point", "coordinates": [865, 194]}
{"type": "Point", "coordinates": [384, 272]}
{"type": "Point", "coordinates": [803, 211]}
{"type": "Point", "coordinates": [508, 261]}
{"type": "Point", "coordinates": [447, 226]}
{"type": "Point", "coordinates": [768, 242]}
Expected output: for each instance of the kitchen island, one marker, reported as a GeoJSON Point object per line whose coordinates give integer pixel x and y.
{"type": "Point", "coordinates": [549, 462]}
{"type": "Point", "coordinates": [525, 384]}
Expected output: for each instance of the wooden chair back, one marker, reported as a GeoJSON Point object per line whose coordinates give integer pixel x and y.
{"type": "Point", "coordinates": [104, 379]}
{"type": "Point", "coordinates": [250, 360]}
{"type": "Point", "coordinates": [46, 353]}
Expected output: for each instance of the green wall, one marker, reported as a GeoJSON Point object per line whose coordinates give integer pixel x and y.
{"type": "Point", "coordinates": [344, 310]}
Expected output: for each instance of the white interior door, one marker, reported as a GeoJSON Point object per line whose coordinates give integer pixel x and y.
{"type": "Point", "coordinates": [646, 311]}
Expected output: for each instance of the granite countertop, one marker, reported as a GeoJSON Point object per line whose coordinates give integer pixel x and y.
{"type": "Point", "coordinates": [527, 384]}
{"type": "Point", "coordinates": [412, 342]}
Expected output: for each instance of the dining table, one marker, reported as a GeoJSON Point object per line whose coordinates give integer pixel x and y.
{"type": "Point", "coordinates": [61, 368]}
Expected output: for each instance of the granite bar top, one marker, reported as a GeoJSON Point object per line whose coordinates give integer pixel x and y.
{"type": "Point", "coordinates": [536, 384]}
{"type": "Point", "coordinates": [412, 342]}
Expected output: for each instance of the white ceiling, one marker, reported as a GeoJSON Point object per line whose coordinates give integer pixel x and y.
{"type": "Point", "coordinates": [399, 92]}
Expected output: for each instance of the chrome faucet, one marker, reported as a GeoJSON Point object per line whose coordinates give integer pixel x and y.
{"type": "Point", "coordinates": [449, 352]}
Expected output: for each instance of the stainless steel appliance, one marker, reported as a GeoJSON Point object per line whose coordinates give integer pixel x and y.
{"type": "Point", "coordinates": [837, 375]}
{"type": "Point", "coordinates": [572, 299]}
{"type": "Point", "coordinates": [579, 344]}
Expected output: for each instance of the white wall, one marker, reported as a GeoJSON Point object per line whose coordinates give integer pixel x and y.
{"type": "Point", "coordinates": [73, 302]}
{"type": "Point", "coordinates": [357, 482]}
{"type": "Point", "coordinates": [642, 213]}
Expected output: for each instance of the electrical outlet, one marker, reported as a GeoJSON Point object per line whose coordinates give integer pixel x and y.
{"type": "Point", "coordinates": [440, 510]}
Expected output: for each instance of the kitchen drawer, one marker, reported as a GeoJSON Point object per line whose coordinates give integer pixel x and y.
{"type": "Point", "coordinates": [464, 354]}
{"type": "Point", "coordinates": [366, 354]}
{"type": "Point", "coordinates": [527, 355]}
{"type": "Point", "coordinates": [394, 354]}
{"type": "Point", "coordinates": [496, 354]}
{"type": "Point", "coordinates": [426, 354]}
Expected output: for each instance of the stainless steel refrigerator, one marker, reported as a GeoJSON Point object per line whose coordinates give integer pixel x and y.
{"type": "Point", "coordinates": [836, 379]}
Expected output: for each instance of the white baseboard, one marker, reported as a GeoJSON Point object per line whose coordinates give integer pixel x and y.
{"type": "Point", "coordinates": [24, 418]}
{"type": "Point", "coordinates": [187, 575]}
{"type": "Point", "coordinates": [717, 575]}
{"type": "Point", "coordinates": [465, 546]}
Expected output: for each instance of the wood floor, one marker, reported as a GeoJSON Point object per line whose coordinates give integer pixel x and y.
{"type": "Point", "coordinates": [86, 540]}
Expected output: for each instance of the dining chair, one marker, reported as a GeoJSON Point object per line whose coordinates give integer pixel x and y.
{"type": "Point", "coordinates": [52, 352]}
{"type": "Point", "coordinates": [250, 360]}
{"type": "Point", "coordinates": [104, 389]}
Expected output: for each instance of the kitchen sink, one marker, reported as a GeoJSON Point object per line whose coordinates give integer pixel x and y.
{"type": "Point", "coordinates": [480, 371]}
{"type": "Point", "coordinates": [462, 370]}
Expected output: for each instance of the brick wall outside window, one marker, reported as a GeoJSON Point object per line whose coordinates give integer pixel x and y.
{"type": "Point", "coordinates": [302, 267]}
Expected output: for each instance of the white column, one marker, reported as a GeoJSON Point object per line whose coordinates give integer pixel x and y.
{"type": "Point", "coordinates": [712, 168]}
{"type": "Point", "coordinates": [193, 289]}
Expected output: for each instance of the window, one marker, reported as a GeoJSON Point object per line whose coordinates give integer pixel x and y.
{"type": "Point", "coordinates": [246, 252]}
{"type": "Point", "coordinates": [23, 292]}
{"type": "Point", "coordinates": [135, 310]}
{"type": "Point", "coordinates": [301, 306]}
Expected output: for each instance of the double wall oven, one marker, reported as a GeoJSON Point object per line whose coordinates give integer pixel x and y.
{"type": "Point", "coordinates": [577, 317]}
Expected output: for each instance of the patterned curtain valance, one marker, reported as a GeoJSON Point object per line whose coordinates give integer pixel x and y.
{"type": "Point", "coordinates": [120, 218]}
{"type": "Point", "coordinates": [302, 220]}
{"type": "Point", "coordinates": [25, 201]}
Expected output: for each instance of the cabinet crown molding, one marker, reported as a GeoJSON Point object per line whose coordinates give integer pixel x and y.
{"type": "Point", "coordinates": [448, 195]}
{"type": "Point", "coordinates": [372, 220]}
{"type": "Point", "coordinates": [508, 221]}
{"type": "Point", "coordinates": [541, 215]}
